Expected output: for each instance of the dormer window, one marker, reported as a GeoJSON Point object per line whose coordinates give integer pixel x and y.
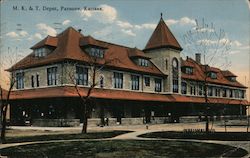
{"type": "Point", "coordinates": [232, 78]}
{"type": "Point", "coordinates": [42, 52]}
{"type": "Point", "coordinates": [212, 75]}
{"type": "Point", "coordinates": [143, 62]}
{"type": "Point", "coordinates": [229, 75]}
{"type": "Point", "coordinates": [95, 52]}
{"type": "Point", "coordinates": [187, 70]}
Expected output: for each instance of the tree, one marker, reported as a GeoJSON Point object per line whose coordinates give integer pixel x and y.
{"type": "Point", "coordinates": [7, 81]}
{"type": "Point", "coordinates": [5, 101]}
{"type": "Point", "coordinates": [95, 65]}
{"type": "Point", "coordinates": [213, 46]}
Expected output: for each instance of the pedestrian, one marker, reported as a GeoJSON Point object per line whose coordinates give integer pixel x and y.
{"type": "Point", "coordinates": [107, 121]}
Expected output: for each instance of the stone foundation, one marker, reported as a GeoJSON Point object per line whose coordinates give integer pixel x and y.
{"type": "Point", "coordinates": [56, 122]}
{"type": "Point", "coordinates": [189, 119]}
{"type": "Point", "coordinates": [160, 120]}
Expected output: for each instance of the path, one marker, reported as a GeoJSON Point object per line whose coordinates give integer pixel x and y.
{"type": "Point", "coordinates": [134, 135]}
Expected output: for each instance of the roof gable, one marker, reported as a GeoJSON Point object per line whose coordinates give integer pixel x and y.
{"type": "Point", "coordinates": [199, 74]}
{"type": "Point", "coordinates": [48, 41]}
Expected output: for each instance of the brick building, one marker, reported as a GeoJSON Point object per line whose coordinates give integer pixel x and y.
{"type": "Point", "coordinates": [134, 86]}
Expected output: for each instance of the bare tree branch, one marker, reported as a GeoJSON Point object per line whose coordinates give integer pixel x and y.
{"type": "Point", "coordinates": [213, 45]}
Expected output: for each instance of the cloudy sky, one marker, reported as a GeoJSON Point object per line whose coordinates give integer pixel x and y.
{"type": "Point", "coordinates": [128, 23]}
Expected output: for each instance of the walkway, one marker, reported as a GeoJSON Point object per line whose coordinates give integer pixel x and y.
{"type": "Point", "coordinates": [134, 135]}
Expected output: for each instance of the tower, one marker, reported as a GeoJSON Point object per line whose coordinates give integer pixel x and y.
{"type": "Point", "coordinates": [164, 51]}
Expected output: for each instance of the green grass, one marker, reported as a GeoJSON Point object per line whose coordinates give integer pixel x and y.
{"type": "Point", "coordinates": [226, 136]}
{"type": "Point", "coordinates": [96, 135]}
{"type": "Point", "coordinates": [122, 148]}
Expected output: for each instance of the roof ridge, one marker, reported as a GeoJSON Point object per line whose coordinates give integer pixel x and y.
{"type": "Point", "coordinates": [115, 44]}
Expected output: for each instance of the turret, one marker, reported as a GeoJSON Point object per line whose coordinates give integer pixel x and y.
{"type": "Point", "coordinates": [164, 51]}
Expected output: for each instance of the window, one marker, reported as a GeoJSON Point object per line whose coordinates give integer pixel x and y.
{"type": "Point", "coordinates": [158, 85]}
{"type": "Point", "coordinates": [212, 75]}
{"type": "Point", "coordinates": [241, 94]}
{"type": "Point", "coordinates": [118, 80]}
{"type": "Point", "coordinates": [20, 80]}
{"type": "Point", "coordinates": [210, 91]}
{"type": "Point", "coordinates": [41, 52]}
{"type": "Point", "coordinates": [143, 62]}
{"type": "Point", "coordinates": [147, 81]}
{"type": "Point", "coordinates": [166, 64]}
{"type": "Point", "coordinates": [175, 86]}
{"type": "Point", "coordinates": [135, 82]}
{"type": "Point", "coordinates": [81, 75]}
{"type": "Point", "coordinates": [175, 71]}
{"type": "Point", "coordinates": [217, 92]}
{"type": "Point", "coordinates": [236, 92]}
{"type": "Point", "coordinates": [192, 89]}
{"type": "Point", "coordinates": [32, 81]}
{"type": "Point", "coordinates": [232, 79]}
{"type": "Point", "coordinates": [200, 86]}
{"type": "Point", "coordinates": [188, 70]}
{"type": "Point", "coordinates": [183, 87]}
{"type": "Point", "coordinates": [37, 80]}
{"type": "Point", "coordinates": [230, 93]}
{"type": "Point", "coordinates": [224, 92]}
{"type": "Point", "coordinates": [175, 63]}
{"type": "Point", "coordinates": [101, 81]}
{"type": "Point", "coordinates": [52, 76]}
{"type": "Point", "coordinates": [96, 52]}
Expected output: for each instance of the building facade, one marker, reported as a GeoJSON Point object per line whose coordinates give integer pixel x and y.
{"type": "Point", "coordinates": [150, 84]}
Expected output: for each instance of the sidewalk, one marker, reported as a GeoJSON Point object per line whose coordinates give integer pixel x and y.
{"type": "Point", "coordinates": [163, 127]}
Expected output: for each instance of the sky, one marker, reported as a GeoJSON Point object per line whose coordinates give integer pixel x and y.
{"type": "Point", "coordinates": [128, 23]}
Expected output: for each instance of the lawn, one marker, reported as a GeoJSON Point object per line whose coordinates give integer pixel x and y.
{"type": "Point", "coordinates": [226, 136]}
{"type": "Point", "coordinates": [124, 149]}
{"type": "Point", "coordinates": [94, 135]}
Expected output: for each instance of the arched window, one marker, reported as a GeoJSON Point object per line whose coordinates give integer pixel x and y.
{"type": "Point", "coordinates": [101, 81]}
{"type": "Point", "coordinates": [175, 72]}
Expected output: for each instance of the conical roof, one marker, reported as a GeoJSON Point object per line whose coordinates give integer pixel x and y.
{"type": "Point", "coordinates": [162, 37]}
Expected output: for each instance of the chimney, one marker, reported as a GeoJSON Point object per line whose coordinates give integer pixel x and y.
{"type": "Point", "coordinates": [198, 57]}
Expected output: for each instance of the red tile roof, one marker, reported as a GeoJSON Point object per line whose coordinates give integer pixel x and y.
{"type": "Point", "coordinates": [48, 41]}
{"type": "Point", "coordinates": [135, 52]}
{"type": "Point", "coordinates": [162, 37]}
{"type": "Point", "coordinates": [69, 48]}
{"type": "Point", "coordinates": [54, 92]}
{"type": "Point", "coordinates": [90, 41]}
{"type": "Point", "coordinates": [228, 73]}
{"type": "Point", "coordinates": [199, 74]}
{"type": "Point", "coordinates": [210, 69]}
{"type": "Point", "coordinates": [185, 63]}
